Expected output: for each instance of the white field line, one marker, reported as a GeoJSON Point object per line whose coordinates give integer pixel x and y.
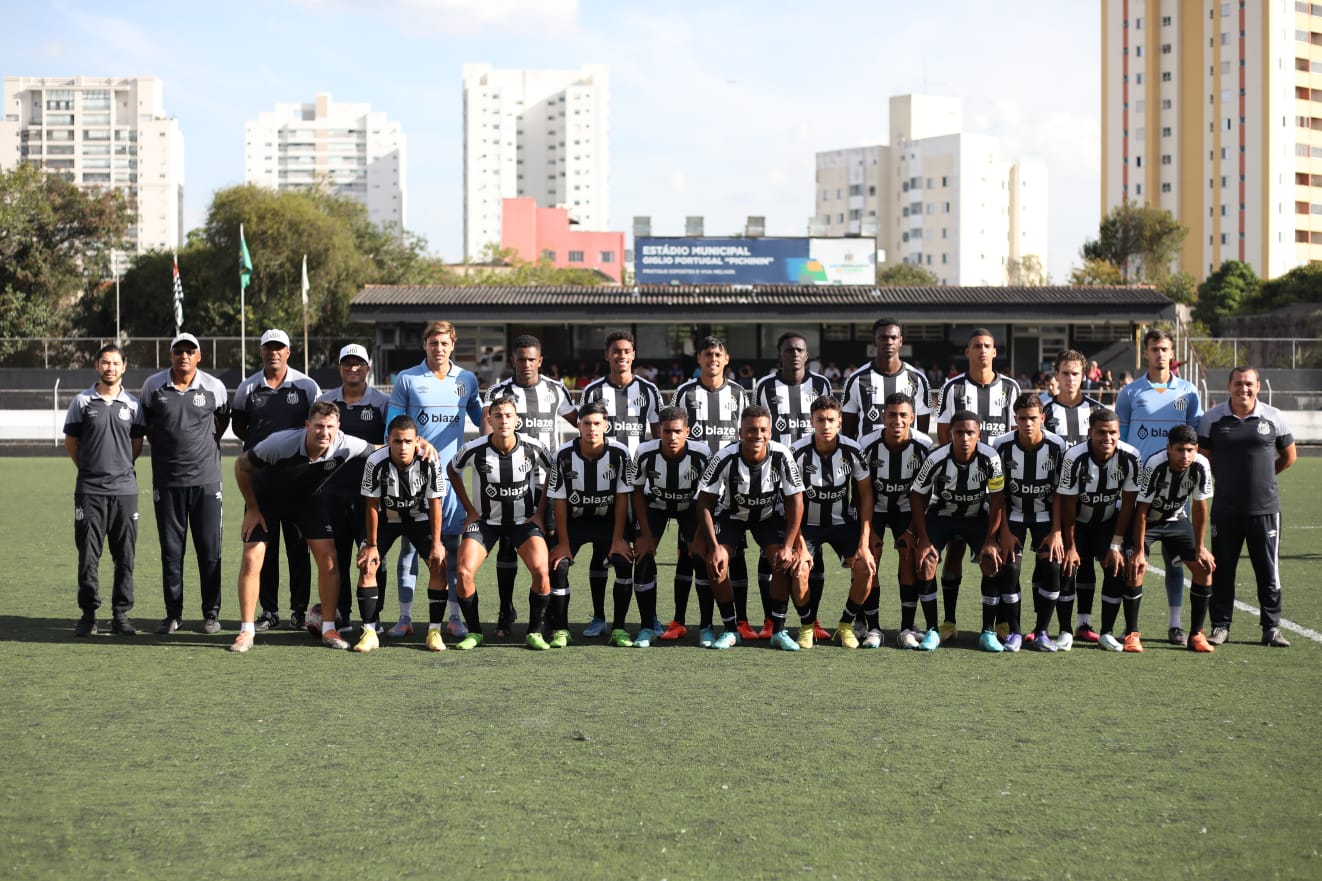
{"type": "Point", "coordinates": [1306, 632]}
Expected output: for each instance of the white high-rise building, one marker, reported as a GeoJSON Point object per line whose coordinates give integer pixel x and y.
{"type": "Point", "coordinates": [540, 134]}
{"type": "Point", "coordinates": [936, 196]}
{"type": "Point", "coordinates": [350, 148]}
{"type": "Point", "coordinates": [102, 132]}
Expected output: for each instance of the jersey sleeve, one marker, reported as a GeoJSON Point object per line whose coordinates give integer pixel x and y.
{"type": "Point", "coordinates": [1193, 415]}
{"type": "Point", "coordinates": [466, 453]}
{"type": "Point", "coordinates": [435, 480]}
{"type": "Point", "coordinates": [138, 426]}
{"type": "Point", "coordinates": [791, 480]}
{"type": "Point", "coordinates": [399, 398]}
{"type": "Point", "coordinates": [555, 487]}
{"type": "Point", "coordinates": [944, 405]}
{"type": "Point", "coordinates": [922, 483]}
{"type": "Point", "coordinates": [624, 472]}
{"type": "Point", "coordinates": [922, 405]}
{"type": "Point", "coordinates": [850, 402]}
{"type": "Point", "coordinates": [711, 481]}
{"type": "Point", "coordinates": [1069, 476]}
{"type": "Point", "coordinates": [1123, 409]}
{"type": "Point", "coordinates": [371, 486]}
{"type": "Point", "coordinates": [474, 403]}
{"type": "Point", "coordinates": [1202, 488]}
{"type": "Point", "coordinates": [73, 417]}
{"type": "Point", "coordinates": [566, 407]}
{"type": "Point", "coordinates": [995, 473]}
{"type": "Point", "coordinates": [1131, 479]}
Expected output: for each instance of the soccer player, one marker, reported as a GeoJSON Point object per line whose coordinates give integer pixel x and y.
{"type": "Point", "coordinates": [437, 394]}
{"type": "Point", "coordinates": [1170, 479]}
{"type": "Point", "coordinates": [959, 493]}
{"type": "Point", "coordinates": [362, 415]}
{"type": "Point", "coordinates": [837, 511]}
{"type": "Point", "coordinates": [1066, 413]}
{"type": "Point", "coordinates": [591, 479]}
{"type": "Point", "coordinates": [632, 402]}
{"type": "Point", "coordinates": [751, 487]}
{"type": "Point", "coordinates": [103, 433]}
{"type": "Point", "coordinates": [867, 388]}
{"type": "Point", "coordinates": [402, 496]}
{"type": "Point", "coordinates": [991, 396]}
{"type": "Point", "coordinates": [666, 474]}
{"type": "Point", "coordinates": [894, 454]}
{"type": "Point", "coordinates": [1095, 505]}
{"type": "Point", "coordinates": [542, 402]}
{"type": "Point", "coordinates": [1030, 459]}
{"type": "Point", "coordinates": [187, 412]}
{"type": "Point", "coordinates": [1149, 407]}
{"type": "Point", "coordinates": [506, 466]}
{"type": "Point", "coordinates": [277, 398]}
{"type": "Point", "coordinates": [1249, 444]}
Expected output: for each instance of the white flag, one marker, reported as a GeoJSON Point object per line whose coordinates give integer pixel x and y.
{"type": "Point", "coordinates": [305, 279]}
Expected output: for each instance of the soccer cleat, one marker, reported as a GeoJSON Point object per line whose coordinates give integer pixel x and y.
{"type": "Point", "coordinates": [746, 632]}
{"type": "Point", "coordinates": [949, 632]}
{"type": "Point", "coordinates": [596, 627]}
{"type": "Point", "coordinates": [646, 637]}
{"type": "Point", "coordinates": [469, 642]}
{"type": "Point", "coordinates": [706, 637]}
{"type": "Point", "coordinates": [559, 639]}
{"type": "Point", "coordinates": [766, 631]}
{"type": "Point", "coordinates": [1085, 633]}
{"type": "Point", "coordinates": [86, 625]}
{"type": "Point", "coordinates": [1030, 636]}
{"type": "Point", "coordinates": [169, 625]}
{"type": "Point", "coordinates": [536, 642]}
{"type": "Point", "coordinates": [1110, 643]}
{"type": "Point", "coordinates": [123, 625]}
{"type": "Point", "coordinates": [242, 642]}
{"type": "Point", "coordinates": [455, 627]}
{"type": "Point", "coordinates": [656, 625]}
{"type": "Point", "coordinates": [1134, 642]}
{"type": "Point", "coordinates": [1219, 635]}
{"type": "Point", "coordinates": [1042, 642]}
{"type": "Point", "coordinates": [872, 640]}
{"type": "Point", "coordinates": [266, 621]}
{"type": "Point", "coordinates": [988, 642]}
{"type": "Point", "coordinates": [435, 642]}
{"type": "Point", "coordinates": [931, 639]}
{"type": "Point", "coordinates": [1002, 630]}
{"type": "Point", "coordinates": [909, 639]}
{"type": "Point", "coordinates": [1271, 636]}
{"type": "Point", "coordinates": [620, 638]}
{"type": "Point", "coordinates": [1177, 636]}
{"type": "Point", "coordinates": [1198, 643]}
{"type": "Point", "coordinates": [402, 628]}
{"type": "Point", "coordinates": [368, 641]}
{"type": "Point", "coordinates": [673, 631]}
{"type": "Point", "coordinates": [1013, 642]}
{"type": "Point", "coordinates": [727, 639]}
{"type": "Point", "coordinates": [297, 620]}
{"type": "Point", "coordinates": [782, 640]}
{"type": "Point", "coordinates": [845, 635]}
{"type": "Point", "coordinates": [1065, 641]}
{"type": "Point", "coordinates": [331, 639]}
{"type": "Point", "coordinates": [820, 632]}
{"type": "Point", "coordinates": [807, 636]}
{"type": "Point", "coordinates": [210, 624]}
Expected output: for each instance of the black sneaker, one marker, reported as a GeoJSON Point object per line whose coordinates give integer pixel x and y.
{"type": "Point", "coordinates": [266, 621]}
{"type": "Point", "coordinates": [168, 626]}
{"type": "Point", "coordinates": [123, 625]}
{"type": "Point", "coordinates": [1272, 636]}
{"type": "Point", "coordinates": [211, 624]}
{"type": "Point", "coordinates": [86, 625]}
{"type": "Point", "coordinates": [1177, 636]}
{"type": "Point", "coordinates": [297, 620]}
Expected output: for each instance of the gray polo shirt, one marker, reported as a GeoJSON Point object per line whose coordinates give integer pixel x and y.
{"type": "Point", "coordinates": [263, 410]}
{"type": "Point", "coordinates": [105, 430]}
{"type": "Point", "coordinates": [181, 428]}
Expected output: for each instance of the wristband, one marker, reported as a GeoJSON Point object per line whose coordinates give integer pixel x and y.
{"type": "Point", "coordinates": [1116, 547]}
{"type": "Point", "coordinates": [369, 544]}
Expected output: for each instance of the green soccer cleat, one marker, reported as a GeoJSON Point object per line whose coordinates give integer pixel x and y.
{"type": "Point", "coordinates": [620, 639]}
{"type": "Point", "coordinates": [559, 639]}
{"type": "Point", "coordinates": [537, 642]}
{"type": "Point", "coordinates": [469, 642]}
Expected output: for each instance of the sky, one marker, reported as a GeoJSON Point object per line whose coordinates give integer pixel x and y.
{"type": "Point", "coordinates": [716, 109]}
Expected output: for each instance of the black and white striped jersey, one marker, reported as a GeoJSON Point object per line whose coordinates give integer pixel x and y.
{"type": "Point", "coordinates": [1098, 486]}
{"type": "Point", "coordinates": [955, 490]}
{"type": "Point", "coordinates": [670, 485]}
{"type": "Point", "coordinates": [752, 492]}
{"type": "Point", "coordinates": [542, 408]}
{"type": "Point", "coordinates": [993, 402]}
{"type": "Point", "coordinates": [504, 488]}
{"type": "Point", "coordinates": [790, 405]}
{"type": "Point", "coordinates": [404, 490]}
{"type": "Point", "coordinates": [1031, 475]}
{"type": "Point", "coordinates": [713, 415]}
{"type": "Point", "coordinates": [867, 388]}
{"type": "Point", "coordinates": [893, 471]}
{"type": "Point", "coordinates": [828, 480]}
{"type": "Point", "coordinates": [1167, 491]}
{"type": "Point", "coordinates": [590, 485]}
{"type": "Point", "coordinates": [1071, 423]}
{"type": "Point", "coordinates": [631, 410]}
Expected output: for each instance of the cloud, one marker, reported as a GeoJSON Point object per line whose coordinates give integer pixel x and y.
{"type": "Point", "coordinates": [547, 18]}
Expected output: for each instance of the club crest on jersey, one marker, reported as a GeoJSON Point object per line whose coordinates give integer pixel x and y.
{"type": "Point", "coordinates": [1181, 403]}
{"type": "Point", "coordinates": [775, 476]}
{"type": "Point", "coordinates": [291, 397]}
{"type": "Point", "coordinates": [688, 474]}
{"type": "Point", "coordinates": [460, 389]}
{"type": "Point", "coordinates": [199, 400]}
{"type": "Point", "coordinates": [523, 467]}
{"type": "Point", "coordinates": [976, 476]}
{"type": "Point", "coordinates": [639, 401]}
{"type": "Point", "coordinates": [123, 413]}
{"type": "Point", "coordinates": [1264, 428]}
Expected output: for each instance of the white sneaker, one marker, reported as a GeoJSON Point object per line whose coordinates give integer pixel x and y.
{"type": "Point", "coordinates": [872, 640]}
{"type": "Point", "coordinates": [909, 639]}
{"type": "Point", "coordinates": [1110, 643]}
{"type": "Point", "coordinates": [1065, 641]}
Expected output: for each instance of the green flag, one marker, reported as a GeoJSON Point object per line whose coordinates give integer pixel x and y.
{"type": "Point", "coordinates": [245, 262]}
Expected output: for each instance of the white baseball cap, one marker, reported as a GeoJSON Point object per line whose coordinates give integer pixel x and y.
{"type": "Point", "coordinates": [353, 350]}
{"type": "Point", "coordinates": [276, 336]}
{"type": "Point", "coordinates": [185, 338]}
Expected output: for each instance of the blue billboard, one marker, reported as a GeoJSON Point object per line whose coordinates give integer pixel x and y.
{"type": "Point", "coordinates": [754, 261]}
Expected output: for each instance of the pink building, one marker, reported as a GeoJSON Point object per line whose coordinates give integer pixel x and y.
{"type": "Point", "coordinates": [536, 232]}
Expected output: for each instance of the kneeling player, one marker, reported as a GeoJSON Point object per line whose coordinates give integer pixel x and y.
{"type": "Point", "coordinates": [1170, 477]}
{"type": "Point", "coordinates": [505, 468]}
{"type": "Point", "coordinates": [410, 491]}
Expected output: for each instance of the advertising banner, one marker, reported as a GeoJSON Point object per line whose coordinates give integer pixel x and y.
{"type": "Point", "coordinates": [706, 260]}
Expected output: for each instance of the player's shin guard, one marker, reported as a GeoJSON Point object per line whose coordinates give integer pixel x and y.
{"type": "Point", "coordinates": [684, 570]}
{"type": "Point", "coordinates": [777, 610]}
{"type": "Point", "coordinates": [991, 599]}
{"type": "Point", "coordinates": [369, 601]}
{"type": "Point", "coordinates": [1113, 590]}
{"type": "Point", "coordinates": [706, 603]}
{"type": "Point", "coordinates": [950, 594]}
{"type": "Point", "coordinates": [927, 598]}
{"type": "Point", "coordinates": [467, 608]}
{"type": "Point", "coordinates": [908, 605]}
{"type": "Point", "coordinates": [646, 602]}
{"type": "Point", "coordinates": [764, 584]}
{"type": "Point", "coordinates": [729, 618]}
{"type": "Point", "coordinates": [597, 583]}
{"type": "Point", "coordinates": [1200, 595]}
{"type": "Point", "coordinates": [559, 610]}
{"type": "Point", "coordinates": [437, 600]}
{"type": "Point", "coordinates": [537, 605]}
{"type": "Point", "coordinates": [623, 592]}
{"type": "Point", "coordinates": [850, 614]}
{"type": "Point", "coordinates": [507, 568]}
{"type": "Point", "coordinates": [1065, 603]}
{"type": "Point", "coordinates": [816, 586]}
{"type": "Point", "coordinates": [1132, 599]}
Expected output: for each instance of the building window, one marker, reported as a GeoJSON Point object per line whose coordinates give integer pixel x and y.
{"type": "Point", "coordinates": [1165, 76]}
{"type": "Point", "coordinates": [548, 254]}
{"type": "Point", "coordinates": [1165, 159]}
{"type": "Point", "coordinates": [1165, 188]}
{"type": "Point", "coordinates": [1165, 48]}
{"type": "Point", "coordinates": [607, 257]}
{"type": "Point", "coordinates": [945, 181]}
{"type": "Point", "coordinates": [575, 256]}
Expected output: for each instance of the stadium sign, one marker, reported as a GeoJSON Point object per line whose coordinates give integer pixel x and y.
{"type": "Point", "coordinates": [693, 260]}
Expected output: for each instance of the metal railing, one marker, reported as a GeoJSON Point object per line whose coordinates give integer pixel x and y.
{"type": "Point", "coordinates": [218, 353]}
{"type": "Point", "coordinates": [1282, 352]}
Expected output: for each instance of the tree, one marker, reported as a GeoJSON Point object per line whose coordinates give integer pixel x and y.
{"type": "Point", "coordinates": [1095, 273]}
{"type": "Point", "coordinates": [1303, 284]}
{"type": "Point", "coordinates": [1026, 272]}
{"type": "Point", "coordinates": [906, 275]}
{"type": "Point", "coordinates": [1180, 287]}
{"type": "Point", "coordinates": [1226, 292]}
{"type": "Point", "coordinates": [1141, 241]}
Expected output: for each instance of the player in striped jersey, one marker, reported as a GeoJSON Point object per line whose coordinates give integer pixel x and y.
{"type": "Point", "coordinates": [894, 454]}
{"type": "Point", "coordinates": [1095, 508]}
{"type": "Point", "coordinates": [666, 472]}
{"type": "Point", "coordinates": [959, 493]}
{"type": "Point", "coordinates": [1031, 460]}
{"type": "Point", "coordinates": [506, 468]}
{"type": "Point", "coordinates": [991, 396]}
{"type": "Point", "coordinates": [631, 402]}
{"type": "Point", "coordinates": [867, 388]}
{"type": "Point", "coordinates": [402, 499]}
{"type": "Point", "coordinates": [754, 487]}
{"type": "Point", "coordinates": [1172, 477]}
{"type": "Point", "coordinates": [1066, 413]}
{"type": "Point", "coordinates": [542, 403]}
{"type": "Point", "coordinates": [837, 511]}
{"type": "Point", "coordinates": [591, 479]}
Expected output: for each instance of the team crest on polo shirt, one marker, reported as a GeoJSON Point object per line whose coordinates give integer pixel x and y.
{"type": "Point", "coordinates": [330, 465]}
{"type": "Point", "coordinates": [1264, 427]}
{"type": "Point", "coordinates": [123, 414]}
{"type": "Point", "coordinates": [199, 400]}
{"type": "Point", "coordinates": [291, 397]}
{"type": "Point", "coordinates": [367, 414]}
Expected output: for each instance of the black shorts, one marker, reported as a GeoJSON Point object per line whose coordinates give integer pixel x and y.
{"type": "Point", "coordinates": [843, 539]}
{"type": "Point", "coordinates": [898, 522]}
{"type": "Point", "coordinates": [1037, 532]}
{"type": "Point", "coordinates": [687, 521]}
{"type": "Point", "coordinates": [488, 534]}
{"type": "Point", "coordinates": [734, 533]}
{"type": "Point", "coordinates": [597, 531]}
{"type": "Point", "coordinates": [943, 530]}
{"type": "Point", "coordinates": [1093, 542]}
{"type": "Point", "coordinates": [418, 533]}
{"type": "Point", "coordinates": [311, 515]}
{"type": "Point", "coordinates": [1176, 537]}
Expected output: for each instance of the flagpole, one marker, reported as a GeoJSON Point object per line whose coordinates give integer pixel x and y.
{"type": "Point", "coordinates": [305, 313]}
{"type": "Point", "coordinates": [243, 311]}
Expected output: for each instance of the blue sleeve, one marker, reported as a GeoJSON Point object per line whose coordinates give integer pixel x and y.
{"type": "Point", "coordinates": [1193, 415]}
{"type": "Point", "coordinates": [1122, 410]}
{"type": "Point", "coordinates": [474, 405]}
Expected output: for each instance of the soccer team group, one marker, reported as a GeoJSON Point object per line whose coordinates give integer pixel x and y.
{"type": "Point", "coordinates": [1062, 480]}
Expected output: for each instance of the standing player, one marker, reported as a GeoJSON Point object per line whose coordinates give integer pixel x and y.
{"type": "Point", "coordinates": [506, 466]}
{"type": "Point", "coordinates": [103, 433]}
{"type": "Point", "coordinates": [837, 511]}
{"type": "Point", "coordinates": [1249, 444]}
{"type": "Point", "coordinates": [990, 395]}
{"type": "Point", "coordinates": [752, 487]}
{"type": "Point", "coordinates": [277, 398]}
{"type": "Point", "coordinates": [1095, 505]}
{"type": "Point", "coordinates": [959, 493]}
{"type": "Point", "coordinates": [362, 415]}
{"type": "Point", "coordinates": [1066, 412]}
{"type": "Point", "coordinates": [591, 479]}
{"type": "Point", "coordinates": [894, 454]}
{"type": "Point", "coordinates": [402, 495]}
{"type": "Point", "coordinates": [666, 475]}
{"type": "Point", "coordinates": [868, 387]}
{"type": "Point", "coordinates": [541, 403]}
{"type": "Point", "coordinates": [1149, 407]}
{"type": "Point", "coordinates": [187, 412]}
{"type": "Point", "coordinates": [1172, 478]}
